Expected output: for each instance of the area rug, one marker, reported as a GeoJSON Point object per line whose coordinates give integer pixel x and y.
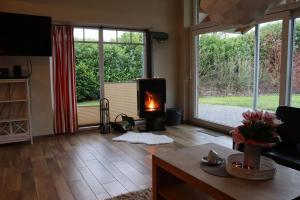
{"type": "Point", "coordinates": [138, 195]}
{"type": "Point", "coordinates": [144, 138]}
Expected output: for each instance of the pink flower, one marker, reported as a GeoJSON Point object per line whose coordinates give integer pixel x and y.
{"type": "Point", "coordinates": [247, 115]}
{"type": "Point", "coordinates": [237, 137]}
{"type": "Point", "coordinates": [246, 123]}
{"type": "Point", "coordinates": [255, 123]}
{"type": "Point", "coordinates": [268, 117]}
{"type": "Point", "coordinates": [258, 115]}
{"type": "Point", "coordinates": [276, 122]}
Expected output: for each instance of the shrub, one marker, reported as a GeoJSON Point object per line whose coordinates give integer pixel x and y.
{"type": "Point", "coordinates": [87, 84]}
{"type": "Point", "coordinates": [122, 63]}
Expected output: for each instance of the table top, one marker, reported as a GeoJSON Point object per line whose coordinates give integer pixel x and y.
{"type": "Point", "coordinates": [285, 184]}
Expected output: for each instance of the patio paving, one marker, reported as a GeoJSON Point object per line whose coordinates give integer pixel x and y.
{"type": "Point", "coordinates": [225, 115]}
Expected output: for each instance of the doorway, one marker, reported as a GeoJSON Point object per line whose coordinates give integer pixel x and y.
{"type": "Point", "coordinates": [108, 61]}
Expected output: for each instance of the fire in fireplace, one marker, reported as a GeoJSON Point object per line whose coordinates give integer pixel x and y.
{"type": "Point", "coordinates": [151, 100]}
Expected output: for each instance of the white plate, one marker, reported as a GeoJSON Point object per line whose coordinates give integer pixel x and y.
{"type": "Point", "coordinates": [219, 161]}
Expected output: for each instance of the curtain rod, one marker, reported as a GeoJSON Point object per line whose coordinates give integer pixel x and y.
{"type": "Point", "coordinates": [60, 23]}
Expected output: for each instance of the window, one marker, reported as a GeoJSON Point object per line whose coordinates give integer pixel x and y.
{"type": "Point", "coordinates": [87, 75]}
{"type": "Point", "coordinates": [109, 35]}
{"type": "Point", "coordinates": [123, 62]}
{"type": "Point", "coordinates": [275, 72]}
{"type": "Point", "coordinates": [91, 35]}
{"type": "Point", "coordinates": [78, 34]}
{"type": "Point", "coordinates": [295, 99]}
{"type": "Point", "coordinates": [224, 76]}
{"type": "Point", "coordinates": [199, 14]}
{"type": "Point", "coordinates": [129, 37]}
{"type": "Point", "coordinates": [269, 65]}
{"type": "Point", "coordinates": [86, 35]}
{"type": "Point", "coordinates": [123, 56]}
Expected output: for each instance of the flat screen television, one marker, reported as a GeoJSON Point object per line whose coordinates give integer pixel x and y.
{"type": "Point", "coordinates": [25, 35]}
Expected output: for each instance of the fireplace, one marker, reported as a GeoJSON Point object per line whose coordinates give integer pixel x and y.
{"type": "Point", "coordinates": [151, 98]}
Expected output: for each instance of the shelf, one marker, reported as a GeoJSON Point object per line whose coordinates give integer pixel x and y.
{"type": "Point", "coordinates": [13, 101]}
{"type": "Point", "coordinates": [13, 80]}
{"type": "Point", "coordinates": [182, 191]}
{"type": "Point", "coordinates": [13, 120]}
{"type": "Point", "coordinates": [14, 110]}
{"type": "Point", "coordinates": [14, 138]}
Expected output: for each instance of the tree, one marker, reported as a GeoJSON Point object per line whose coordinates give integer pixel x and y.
{"type": "Point", "coordinates": [87, 84]}
{"type": "Point", "coordinates": [226, 61]}
{"type": "Point", "coordinates": [122, 63]}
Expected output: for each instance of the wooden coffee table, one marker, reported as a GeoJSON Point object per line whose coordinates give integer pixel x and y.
{"type": "Point", "coordinates": [177, 175]}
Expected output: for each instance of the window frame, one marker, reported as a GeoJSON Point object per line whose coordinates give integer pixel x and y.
{"type": "Point", "coordinates": [83, 36]}
{"type": "Point", "coordinates": [125, 43]}
{"type": "Point", "coordinates": [285, 75]}
{"type": "Point", "coordinates": [294, 16]}
{"type": "Point", "coordinates": [101, 44]}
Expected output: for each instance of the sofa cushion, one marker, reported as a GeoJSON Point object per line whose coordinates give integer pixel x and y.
{"type": "Point", "coordinates": [284, 157]}
{"type": "Point", "coordinates": [289, 129]}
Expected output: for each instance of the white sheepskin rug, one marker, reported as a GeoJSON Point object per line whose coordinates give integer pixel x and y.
{"type": "Point", "coordinates": [144, 138]}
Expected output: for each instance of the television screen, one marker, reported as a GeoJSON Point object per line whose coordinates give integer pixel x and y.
{"type": "Point", "coordinates": [25, 35]}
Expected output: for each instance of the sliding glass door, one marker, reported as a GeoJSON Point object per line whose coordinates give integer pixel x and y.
{"type": "Point", "coordinates": [269, 65]}
{"type": "Point", "coordinates": [295, 89]}
{"type": "Point", "coordinates": [108, 61]}
{"type": "Point", "coordinates": [123, 64]}
{"type": "Point", "coordinates": [224, 76]}
{"type": "Point", "coordinates": [237, 72]}
{"type": "Point", "coordinates": [87, 75]}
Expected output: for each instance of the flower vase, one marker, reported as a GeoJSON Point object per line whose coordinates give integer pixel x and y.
{"type": "Point", "coordinates": [252, 156]}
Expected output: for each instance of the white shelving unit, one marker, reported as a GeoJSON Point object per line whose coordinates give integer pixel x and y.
{"type": "Point", "coordinates": [15, 115]}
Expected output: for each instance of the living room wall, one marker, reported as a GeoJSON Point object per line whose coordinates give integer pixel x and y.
{"type": "Point", "coordinates": [156, 15]}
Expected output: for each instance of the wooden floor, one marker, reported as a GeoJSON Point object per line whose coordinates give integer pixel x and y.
{"type": "Point", "coordinates": [85, 166]}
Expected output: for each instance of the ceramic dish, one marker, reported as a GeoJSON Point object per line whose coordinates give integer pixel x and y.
{"type": "Point", "coordinates": [217, 162]}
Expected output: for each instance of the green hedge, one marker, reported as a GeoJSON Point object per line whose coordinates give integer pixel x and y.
{"type": "Point", "coordinates": [226, 62]}
{"type": "Point", "coordinates": [122, 63]}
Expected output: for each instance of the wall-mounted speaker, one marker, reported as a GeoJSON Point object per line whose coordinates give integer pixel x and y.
{"type": "Point", "coordinates": [159, 36]}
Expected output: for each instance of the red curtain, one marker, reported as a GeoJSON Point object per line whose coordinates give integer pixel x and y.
{"type": "Point", "coordinates": [64, 80]}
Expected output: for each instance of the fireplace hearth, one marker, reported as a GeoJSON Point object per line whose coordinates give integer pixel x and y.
{"type": "Point", "coordinates": [151, 98]}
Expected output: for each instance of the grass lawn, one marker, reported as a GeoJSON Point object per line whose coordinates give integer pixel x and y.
{"type": "Point", "coordinates": [88, 103]}
{"type": "Point", "coordinates": [266, 102]}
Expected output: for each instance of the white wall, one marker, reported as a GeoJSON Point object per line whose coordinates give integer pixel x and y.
{"type": "Point", "coordinates": [156, 15]}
